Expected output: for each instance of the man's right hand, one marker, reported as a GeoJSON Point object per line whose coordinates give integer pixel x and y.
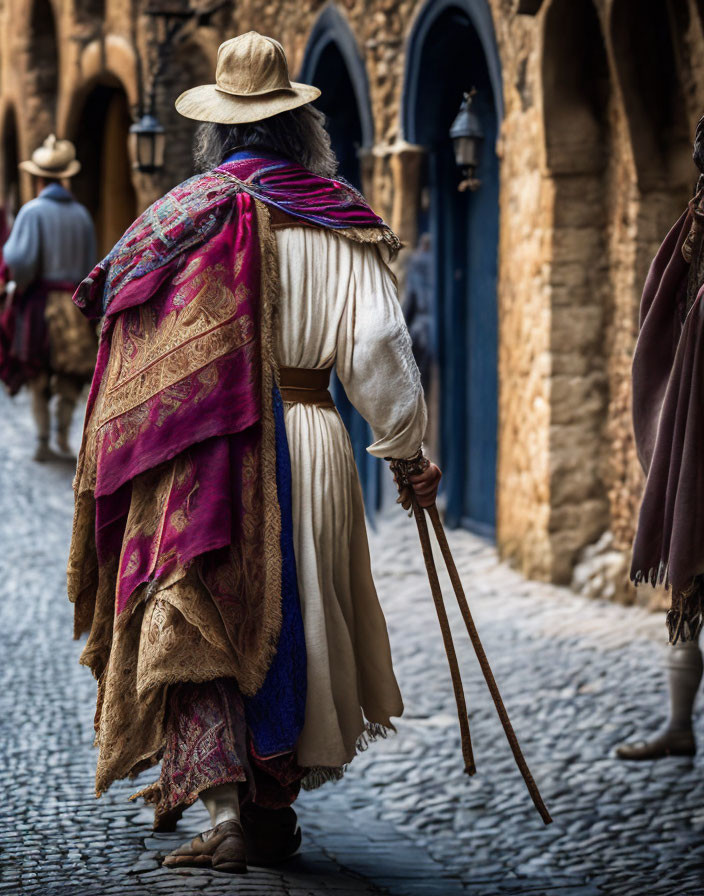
{"type": "Point", "coordinates": [426, 484]}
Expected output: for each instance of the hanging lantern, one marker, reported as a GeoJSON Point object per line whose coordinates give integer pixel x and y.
{"type": "Point", "coordinates": [467, 137]}
{"type": "Point", "coordinates": [147, 144]}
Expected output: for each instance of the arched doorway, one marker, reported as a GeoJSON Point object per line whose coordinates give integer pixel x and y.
{"type": "Point", "coordinates": [577, 108]}
{"type": "Point", "coordinates": [332, 63]}
{"type": "Point", "coordinates": [41, 72]}
{"type": "Point", "coordinates": [10, 162]}
{"type": "Point", "coordinates": [452, 49]}
{"type": "Point", "coordinates": [104, 184]}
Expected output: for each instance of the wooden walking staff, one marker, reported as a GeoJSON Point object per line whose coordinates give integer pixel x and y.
{"type": "Point", "coordinates": [403, 470]}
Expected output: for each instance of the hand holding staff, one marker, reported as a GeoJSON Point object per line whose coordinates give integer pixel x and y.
{"type": "Point", "coordinates": [417, 480]}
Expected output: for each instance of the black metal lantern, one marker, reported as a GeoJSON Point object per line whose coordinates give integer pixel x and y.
{"type": "Point", "coordinates": [467, 137]}
{"type": "Point", "coordinates": [147, 144]}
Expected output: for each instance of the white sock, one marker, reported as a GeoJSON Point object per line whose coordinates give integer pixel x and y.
{"type": "Point", "coordinates": [222, 802]}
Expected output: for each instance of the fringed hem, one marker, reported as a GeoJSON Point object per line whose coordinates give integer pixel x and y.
{"type": "Point", "coordinates": [374, 235]}
{"type": "Point", "coordinates": [686, 615]}
{"type": "Point", "coordinates": [321, 774]}
{"type": "Point", "coordinates": [372, 732]}
{"type": "Point", "coordinates": [685, 618]}
{"type": "Point", "coordinates": [656, 575]}
{"type": "Point", "coordinates": [318, 775]}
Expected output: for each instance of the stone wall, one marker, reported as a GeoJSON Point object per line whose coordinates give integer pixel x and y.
{"type": "Point", "coordinates": [600, 102]}
{"type": "Point", "coordinates": [598, 152]}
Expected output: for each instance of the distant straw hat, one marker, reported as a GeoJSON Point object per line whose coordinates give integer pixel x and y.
{"type": "Point", "coordinates": [54, 158]}
{"type": "Point", "coordinates": [252, 82]}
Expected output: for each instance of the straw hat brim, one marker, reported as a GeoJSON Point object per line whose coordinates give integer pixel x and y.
{"type": "Point", "coordinates": [69, 171]}
{"type": "Point", "coordinates": [209, 103]}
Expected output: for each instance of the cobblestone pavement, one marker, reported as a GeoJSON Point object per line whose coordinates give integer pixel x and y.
{"type": "Point", "coordinates": [577, 677]}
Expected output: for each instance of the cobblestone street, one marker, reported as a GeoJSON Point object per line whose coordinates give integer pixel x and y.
{"type": "Point", "coordinates": [577, 677]}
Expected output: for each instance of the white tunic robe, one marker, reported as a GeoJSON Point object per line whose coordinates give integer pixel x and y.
{"type": "Point", "coordinates": [339, 305]}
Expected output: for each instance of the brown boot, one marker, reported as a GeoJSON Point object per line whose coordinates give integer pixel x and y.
{"type": "Point", "coordinates": [63, 445]}
{"type": "Point", "coordinates": [43, 452]}
{"type": "Point", "coordinates": [221, 848]}
{"type": "Point", "coordinates": [271, 835]}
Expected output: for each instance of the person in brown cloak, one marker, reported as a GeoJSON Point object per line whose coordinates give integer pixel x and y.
{"type": "Point", "coordinates": [668, 418]}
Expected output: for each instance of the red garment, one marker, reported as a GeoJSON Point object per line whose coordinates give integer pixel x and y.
{"type": "Point", "coordinates": [25, 347]}
{"type": "Point", "coordinates": [208, 744]}
{"type": "Point", "coordinates": [10, 368]}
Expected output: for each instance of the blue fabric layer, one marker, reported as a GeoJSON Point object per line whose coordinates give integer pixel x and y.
{"type": "Point", "coordinates": [276, 713]}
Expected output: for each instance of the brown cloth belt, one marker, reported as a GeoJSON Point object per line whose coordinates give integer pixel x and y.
{"type": "Point", "coordinates": [306, 386]}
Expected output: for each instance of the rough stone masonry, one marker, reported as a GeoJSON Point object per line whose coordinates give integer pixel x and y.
{"type": "Point", "coordinates": [599, 100]}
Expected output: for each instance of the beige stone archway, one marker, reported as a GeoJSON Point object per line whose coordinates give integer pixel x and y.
{"type": "Point", "coordinates": [577, 96]}
{"type": "Point", "coordinates": [110, 56]}
{"type": "Point", "coordinates": [99, 125]}
{"type": "Point", "coordinates": [95, 111]}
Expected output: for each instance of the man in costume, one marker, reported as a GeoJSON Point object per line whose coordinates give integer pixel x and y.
{"type": "Point", "coordinates": [219, 559]}
{"type": "Point", "coordinates": [668, 371]}
{"type": "Point", "coordinates": [45, 342]}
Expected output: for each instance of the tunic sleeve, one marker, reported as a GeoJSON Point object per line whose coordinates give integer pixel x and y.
{"type": "Point", "coordinates": [22, 250]}
{"type": "Point", "coordinates": [375, 361]}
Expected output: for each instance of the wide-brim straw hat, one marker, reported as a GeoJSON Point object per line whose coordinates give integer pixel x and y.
{"type": "Point", "coordinates": [252, 83]}
{"type": "Point", "coordinates": [53, 159]}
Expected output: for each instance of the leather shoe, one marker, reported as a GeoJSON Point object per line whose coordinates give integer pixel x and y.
{"type": "Point", "coordinates": [271, 835]}
{"type": "Point", "coordinates": [221, 848]}
{"type": "Point", "coordinates": [669, 743]}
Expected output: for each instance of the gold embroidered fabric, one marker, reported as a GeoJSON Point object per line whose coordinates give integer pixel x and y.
{"type": "Point", "coordinates": [72, 339]}
{"type": "Point", "coordinates": [149, 356]}
{"type": "Point", "coordinates": [270, 289]}
{"type": "Point", "coordinates": [183, 637]}
{"type": "Point", "coordinates": [176, 635]}
{"type": "Point", "coordinates": [129, 726]}
{"type": "Point", "coordinates": [174, 630]}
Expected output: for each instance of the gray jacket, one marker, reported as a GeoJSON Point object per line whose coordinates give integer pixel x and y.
{"type": "Point", "coordinates": [53, 238]}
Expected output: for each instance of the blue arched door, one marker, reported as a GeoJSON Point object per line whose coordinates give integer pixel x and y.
{"type": "Point", "coordinates": [332, 63]}
{"type": "Point", "coordinates": [450, 51]}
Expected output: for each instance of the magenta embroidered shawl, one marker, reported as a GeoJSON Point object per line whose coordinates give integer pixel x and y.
{"type": "Point", "coordinates": [178, 460]}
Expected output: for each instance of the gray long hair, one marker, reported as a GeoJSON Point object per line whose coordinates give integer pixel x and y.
{"type": "Point", "coordinates": [299, 134]}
